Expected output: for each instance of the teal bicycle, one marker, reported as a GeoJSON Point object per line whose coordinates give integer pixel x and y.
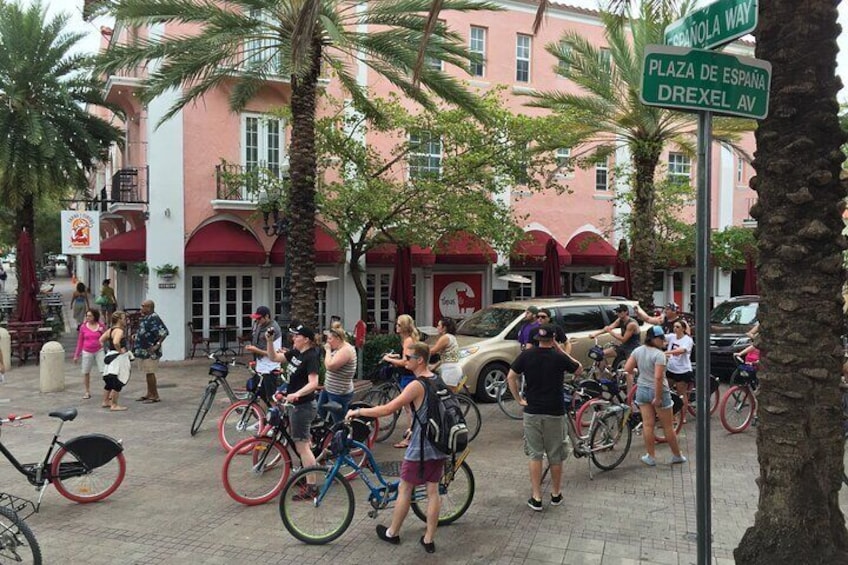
{"type": "Point", "coordinates": [317, 504]}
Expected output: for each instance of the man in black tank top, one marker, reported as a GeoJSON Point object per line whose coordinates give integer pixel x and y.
{"type": "Point", "coordinates": [628, 335]}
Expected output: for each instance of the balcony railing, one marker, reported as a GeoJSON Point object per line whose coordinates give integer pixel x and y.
{"type": "Point", "coordinates": [245, 183]}
{"type": "Point", "coordinates": [748, 220]}
{"type": "Point", "coordinates": [130, 186]}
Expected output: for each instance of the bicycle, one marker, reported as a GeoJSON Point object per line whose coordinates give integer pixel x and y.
{"type": "Point", "coordinates": [79, 467]}
{"type": "Point", "coordinates": [243, 418]}
{"type": "Point", "coordinates": [257, 468]}
{"type": "Point", "coordinates": [715, 397]}
{"type": "Point", "coordinates": [385, 389]}
{"type": "Point", "coordinates": [470, 410]}
{"type": "Point", "coordinates": [218, 371]}
{"type": "Point", "coordinates": [738, 406]}
{"type": "Point", "coordinates": [319, 511]}
{"type": "Point", "coordinates": [17, 542]}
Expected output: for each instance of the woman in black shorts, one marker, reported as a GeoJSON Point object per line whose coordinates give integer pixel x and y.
{"type": "Point", "coordinates": [678, 371]}
{"type": "Point", "coordinates": [117, 359]}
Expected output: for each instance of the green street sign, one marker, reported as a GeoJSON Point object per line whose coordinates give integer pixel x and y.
{"type": "Point", "coordinates": [713, 25]}
{"type": "Point", "coordinates": [693, 79]}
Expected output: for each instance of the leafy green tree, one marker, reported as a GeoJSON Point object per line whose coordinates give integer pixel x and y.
{"type": "Point", "coordinates": [247, 42]}
{"type": "Point", "coordinates": [374, 200]}
{"type": "Point", "coordinates": [48, 139]}
{"type": "Point", "coordinates": [605, 114]}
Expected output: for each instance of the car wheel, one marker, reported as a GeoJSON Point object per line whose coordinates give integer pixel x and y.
{"type": "Point", "coordinates": [490, 380]}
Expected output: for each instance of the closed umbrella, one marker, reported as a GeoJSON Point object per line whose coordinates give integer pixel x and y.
{"type": "Point", "coordinates": [401, 293]}
{"type": "Point", "coordinates": [750, 286]}
{"type": "Point", "coordinates": [622, 269]}
{"type": "Point", "coordinates": [28, 310]}
{"type": "Point", "coordinates": [551, 279]}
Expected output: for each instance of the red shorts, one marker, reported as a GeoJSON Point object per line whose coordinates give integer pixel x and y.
{"type": "Point", "coordinates": [411, 471]}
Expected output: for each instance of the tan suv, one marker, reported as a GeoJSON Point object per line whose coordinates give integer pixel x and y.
{"type": "Point", "coordinates": [488, 339]}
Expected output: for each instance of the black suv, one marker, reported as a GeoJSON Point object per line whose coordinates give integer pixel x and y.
{"type": "Point", "coordinates": [729, 322]}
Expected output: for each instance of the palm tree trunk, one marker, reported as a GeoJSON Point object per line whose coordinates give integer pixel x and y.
{"type": "Point", "coordinates": [646, 157]}
{"type": "Point", "coordinates": [302, 198]}
{"type": "Point", "coordinates": [799, 439]}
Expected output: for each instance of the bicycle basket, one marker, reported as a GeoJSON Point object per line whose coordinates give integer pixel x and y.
{"type": "Point", "coordinates": [609, 388]}
{"type": "Point", "coordinates": [590, 388]}
{"type": "Point", "coordinates": [341, 441]}
{"type": "Point", "coordinates": [747, 372]}
{"type": "Point", "coordinates": [361, 429]}
{"type": "Point", "coordinates": [596, 353]}
{"type": "Point", "coordinates": [219, 370]}
{"type": "Point", "coordinates": [274, 417]}
{"type": "Point", "coordinates": [252, 383]}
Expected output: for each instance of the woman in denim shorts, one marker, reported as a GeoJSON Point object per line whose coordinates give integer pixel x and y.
{"type": "Point", "coordinates": [653, 396]}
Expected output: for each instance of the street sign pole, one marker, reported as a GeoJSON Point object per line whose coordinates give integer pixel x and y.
{"type": "Point", "coordinates": [703, 488]}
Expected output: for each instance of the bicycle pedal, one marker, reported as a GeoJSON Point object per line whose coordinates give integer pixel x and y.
{"type": "Point", "coordinates": [372, 513]}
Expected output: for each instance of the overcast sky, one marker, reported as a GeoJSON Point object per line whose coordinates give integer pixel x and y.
{"type": "Point", "coordinates": [92, 41]}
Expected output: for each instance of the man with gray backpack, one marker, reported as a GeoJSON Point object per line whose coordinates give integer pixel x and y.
{"type": "Point", "coordinates": [437, 434]}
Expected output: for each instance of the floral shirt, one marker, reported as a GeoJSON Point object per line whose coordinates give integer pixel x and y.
{"type": "Point", "coordinates": [151, 330]}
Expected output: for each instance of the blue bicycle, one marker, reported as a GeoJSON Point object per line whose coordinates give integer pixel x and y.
{"type": "Point", "coordinates": [317, 503]}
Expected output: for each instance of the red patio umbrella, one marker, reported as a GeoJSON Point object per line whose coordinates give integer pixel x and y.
{"type": "Point", "coordinates": [750, 286]}
{"type": "Point", "coordinates": [622, 269]}
{"type": "Point", "coordinates": [28, 310]}
{"type": "Point", "coordinates": [551, 279]}
{"type": "Point", "coordinates": [401, 292]}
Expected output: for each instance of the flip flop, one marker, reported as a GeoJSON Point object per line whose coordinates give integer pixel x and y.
{"type": "Point", "coordinates": [117, 408]}
{"type": "Point", "coordinates": [142, 399]}
{"type": "Point", "coordinates": [86, 396]}
{"type": "Point", "coordinates": [105, 405]}
{"type": "Point", "coordinates": [151, 400]}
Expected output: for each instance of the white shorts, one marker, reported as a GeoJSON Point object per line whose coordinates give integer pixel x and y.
{"type": "Point", "coordinates": [451, 373]}
{"type": "Point", "coordinates": [87, 361]}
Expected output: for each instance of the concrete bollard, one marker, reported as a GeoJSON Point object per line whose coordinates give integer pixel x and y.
{"type": "Point", "coordinates": [6, 348]}
{"type": "Point", "coordinates": [52, 367]}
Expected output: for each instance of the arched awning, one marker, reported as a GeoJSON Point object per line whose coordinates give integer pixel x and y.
{"type": "Point", "coordinates": [530, 253]}
{"type": "Point", "coordinates": [223, 242]}
{"type": "Point", "coordinates": [129, 247]}
{"type": "Point", "coordinates": [462, 248]}
{"type": "Point", "coordinates": [588, 248]}
{"type": "Point", "coordinates": [327, 251]}
{"type": "Point", "coordinates": [386, 255]}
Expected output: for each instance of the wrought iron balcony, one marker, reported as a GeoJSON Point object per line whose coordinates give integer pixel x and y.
{"type": "Point", "coordinates": [245, 183]}
{"type": "Point", "coordinates": [130, 186]}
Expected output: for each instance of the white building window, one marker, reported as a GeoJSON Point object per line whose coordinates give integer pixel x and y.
{"type": "Point", "coordinates": [222, 300]}
{"type": "Point", "coordinates": [262, 148]}
{"type": "Point", "coordinates": [522, 58]}
{"type": "Point", "coordinates": [563, 161]}
{"type": "Point", "coordinates": [381, 310]}
{"type": "Point", "coordinates": [258, 52]}
{"type": "Point", "coordinates": [602, 175]}
{"type": "Point", "coordinates": [477, 44]}
{"type": "Point", "coordinates": [425, 155]}
{"type": "Point", "coordinates": [740, 170]}
{"type": "Point", "coordinates": [679, 168]}
{"type": "Point", "coordinates": [563, 67]}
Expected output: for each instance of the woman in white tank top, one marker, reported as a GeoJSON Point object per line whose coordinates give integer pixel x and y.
{"type": "Point", "coordinates": [446, 346]}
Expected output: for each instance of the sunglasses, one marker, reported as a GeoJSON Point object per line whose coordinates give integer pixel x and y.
{"type": "Point", "coordinates": [411, 357]}
{"type": "Point", "coordinates": [544, 316]}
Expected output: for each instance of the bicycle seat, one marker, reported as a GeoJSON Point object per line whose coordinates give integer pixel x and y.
{"type": "Point", "coordinates": [333, 407]}
{"type": "Point", "coordinates": [66, 415]}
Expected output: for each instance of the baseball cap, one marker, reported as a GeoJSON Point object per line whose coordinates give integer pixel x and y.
{"type": "Point", "coordinates": [621, 308]}
{"type": "Point", "coordinates": [533, 310]}
{"type": "Point", "coordinates": [672, 306]}
{"type": "Point", "coordinates": [260, 312]}
{"type": "Point", "coordinates": [655, 331]}
{"type": "Point", "coordinates": [545, 331]}
{"type": "Point", "coordinates": [300, 329]}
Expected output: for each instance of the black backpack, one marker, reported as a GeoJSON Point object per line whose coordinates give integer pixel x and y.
{"type": "Point", "coordinates": [445, 426]}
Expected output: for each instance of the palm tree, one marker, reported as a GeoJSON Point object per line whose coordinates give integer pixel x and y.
{"type": "Point", "coordinates": [246, 42]}
{"type": "Point", "coordinates": [48, 139]}
{"type": "Point", "coordinates": [799, 236]}
{"type": "Point", "coordinates": [606, 113]}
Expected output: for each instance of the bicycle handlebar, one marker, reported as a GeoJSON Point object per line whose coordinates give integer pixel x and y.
{"type": "Point", "coordinates": [14, 417]}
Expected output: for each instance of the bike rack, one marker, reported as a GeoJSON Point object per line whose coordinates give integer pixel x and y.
{"type": "Point", "coordinates": [18, 505]}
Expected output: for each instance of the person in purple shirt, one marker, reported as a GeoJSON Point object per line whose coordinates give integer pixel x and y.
{"type": "Point", "coordinates": [529, 323]}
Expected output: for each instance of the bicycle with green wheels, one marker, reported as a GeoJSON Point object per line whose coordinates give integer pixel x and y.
{"type": "Point", "coordinates": [317, 504]}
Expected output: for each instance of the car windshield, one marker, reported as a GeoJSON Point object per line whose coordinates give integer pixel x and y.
{"type": "Point", "coordinates": [488, 322]}
{"type": "Point", "coordinates": [735, 314]}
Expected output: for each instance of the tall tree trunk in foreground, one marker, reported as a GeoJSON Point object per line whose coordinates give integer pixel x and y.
{"type": "Point", "coordinates": [646, 157]}
{"type": "Point", "coordinates": [799, 214]}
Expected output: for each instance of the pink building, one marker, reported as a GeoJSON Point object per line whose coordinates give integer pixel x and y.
{"type": "Point", "coordinates": [169, 200]}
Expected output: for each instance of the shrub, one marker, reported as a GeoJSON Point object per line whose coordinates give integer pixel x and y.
{"type": "Point", "coordinates": [375, 346]}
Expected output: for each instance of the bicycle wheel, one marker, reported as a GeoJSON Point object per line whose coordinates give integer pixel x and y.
{"type": "Point", "coordinates": [737, 409]}
{"type": "Point", "coordinates": [456, 493]}
{"type": "Point", "coordinates": [74, 482]}
{"type": "Point", "coordinates": [239, 421]}
{"type": "Point", "coordinates": [17, 542]}
{"type": "Point", "coordinates": [472, 415]}
{"type": "Point", "coordinates": [308, 515]}
{"type": "Point", "coordinates": [386, 424]}
{"type": "Point", "coordinates": [715, 398]}
{"type": "Point", "coordinates": [508, 404]}
{"type": "Point", "coordinates": [205, 405]}
{"type": "Point", "coordinates": [256, 470]}
{"type": "Point", "coordinates": [610, 440]}
{"type": "Point", "coordinates": [583, 418]}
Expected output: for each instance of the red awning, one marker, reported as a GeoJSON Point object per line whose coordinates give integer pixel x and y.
{"type": "Point", "coordinates": [326, 249]}
{"type": "Point", "coordinates": [128, 246]}
{"type": "Point", "coordinates": [464, 249]}
{"type": "Point", "coordinates": [223, 242]}
{"type": "Point", "coordinates": [530, 253]}
{"type": "Point", "coordinates": [589, 248]}
{"type": "Point", "coordinates": [386, 254]}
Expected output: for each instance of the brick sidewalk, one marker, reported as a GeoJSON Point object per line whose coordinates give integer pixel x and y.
{"type": "Point", "coordinates": [172, 507]}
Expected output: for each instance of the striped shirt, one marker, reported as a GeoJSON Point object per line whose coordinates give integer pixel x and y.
{"type": "Point", "coordinates": [340, 381]}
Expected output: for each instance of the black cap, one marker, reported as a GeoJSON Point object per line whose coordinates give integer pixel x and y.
{"type": "Point", "coordinates": [621, 308]}
{"type": "Point", "coordinates": [544, 332]}
{"type": "Point", "coordinates": [300, 329]}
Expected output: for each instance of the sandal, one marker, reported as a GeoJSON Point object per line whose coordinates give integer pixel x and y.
{"type": "Point", "coordinates": [117, 408]}
{"type": "Point", "coordinates": [142, 399]}
{"type": "Point", "coordinates": [151, 400]}
{"type": "Point", "coordinates": [86, 396]}
{"type": "Point", "coordinates": [404, 443]}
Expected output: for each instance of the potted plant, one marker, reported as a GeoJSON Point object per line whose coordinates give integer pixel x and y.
{"type": "Point", "coordinates": [141, 269]}
{"type": "Point", "coordinates": [166, 271]}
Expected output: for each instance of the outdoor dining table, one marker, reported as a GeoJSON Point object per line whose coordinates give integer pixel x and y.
{"type": "Point", "coordinates": [224, 341]}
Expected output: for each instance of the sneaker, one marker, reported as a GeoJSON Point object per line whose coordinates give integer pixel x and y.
{"type": "Point", "coordinates": [678, 459]}
{"type": "Point", "coordinates": [534, 504]}
{"type": "Point", "coordinates": [307, 493]}
{"type": "Point", "coordinates": [648, 460]}
{"type": "Point", "coordinates": [556, 499]}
